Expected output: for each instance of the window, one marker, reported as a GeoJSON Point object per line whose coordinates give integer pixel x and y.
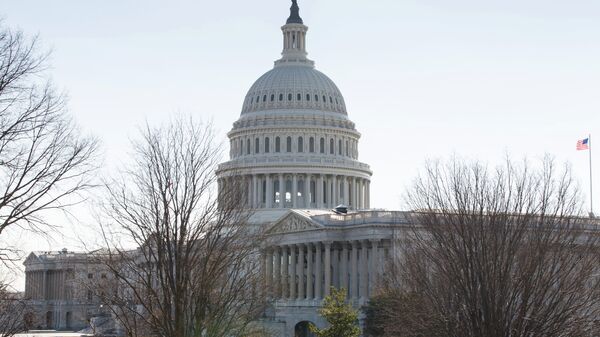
{"type": "Point", "coordinates": [241, 147]}
{"type": "Point", "coordinates": [300, 144]}
{"type": "Point", "coordinates": [288, 144]}
{"type": "Point", "coordinates": [272, 97]}
{"type": "Point", "coordinates": [316, 98]}
{"type": "Point", "coordinates": [256, 145]}
{"type": "Point", "coordinates": [308, 97]}
{"type": "Point", "coordinates": [331, 146]}
{"type": "Point", "coordinates": [90, 276]}
{"type": "Point", "coordinates": [247, 146]}
{"type": "Point", "coordinates": [257, 99]}
{"type": "Point", "coordinates": [103, 275]}
{"type": "Point", "coordinates": [322, 145]}
{"type": "Point", "coordinates": [347, 150]}
{"type": "Point", "coordinates": [252, 100]}
{"type": "Point", "coordinates": [340, 147]}
{"type": "Point", "coordinates": [330, 100]}
{"type": "Point", "coordinates": [311, 144]}
{"type": "Point", "coordinates": [267, 144]}
{"type": "Point", "coordinates": [277, 144]}
{"type": "Point", "coordinates": [324, 99]}
{"type": "Point", "coordinates": [280, 97]}
{"type": "Point", "coordinates": [89, 295]}
{"type": "Point", "coordinates": [299, 97]}
{"type": "Point", "coordinates": [289, 97]}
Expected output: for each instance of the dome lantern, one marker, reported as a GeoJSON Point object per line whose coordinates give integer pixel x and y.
{"type": "Point", "coordinates": [294, 40]}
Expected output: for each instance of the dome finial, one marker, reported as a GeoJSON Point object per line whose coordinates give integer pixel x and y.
{"type": "Point", "coordinates": [294, 14]}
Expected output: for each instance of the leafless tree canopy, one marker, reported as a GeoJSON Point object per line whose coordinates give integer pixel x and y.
{"type": "Point", "coordinates": [195, 271]}
{"type": "Point", "coordinates": [43, 161]}
{"type": "Point", "coordinates": [499, 252]}
{"type": "Point", "coordinates": [15, 316]}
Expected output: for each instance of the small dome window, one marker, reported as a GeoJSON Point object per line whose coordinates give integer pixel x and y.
{"type": "Point", "coordinates": [257, 146]}
{"type": "Point", "coordinates": [330, 100]}
{"type": "Point", "coordinates": [322, 145]}
{"type": "Point", "coordinates": [324, 99]}
{"type": "Point", "coordinates": [300, 144]}
{"type": "Point", "coordinates": [308, 97]}
{"type": "Point", "coordinates": [340, 147]}
{"type": "Point", "coordinates": [311, 144]}
{"type": "Point", "coordinates": [267, 145]}
{"type": "Point", "coordinates": [252, 100]}
{"type": "Point", "coordinates": [299, 98]}
{"type": "Point", "coordinates": [264, 98]}
{"type": "Point", "coordinates": [277, 144]}
{"type": "Point", "coordinates": [280, 97]}
{"type": "Point", "coordinates": [257, 99]}
{"type": "Point", "coordinates": [272, 97]}
{"type": "Point", "coordinates": [289, 97]}
{"type": "Point", "coordinates": [336, 101]}
{"type": "Point", "coordinates": [288, 144]}
{"type": "Point", "coordinates": [316, 98]}
{"type": "Point", "coordinates": [247, 146]}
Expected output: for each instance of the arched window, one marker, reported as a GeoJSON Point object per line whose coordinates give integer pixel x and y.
{"type": "Point", "coordinates": [280, 97]}
{"type": "Point", "coordinates": [347, 149]}
{"type": "Point", "coordinates": [316, 98]}
{"type": "Point", "coordinates": [340, 147]}
{"type": "Point", "coordinates": [289, 97]}
{"type": "Point", "coordinates": [264, 98]}
{"type": "Point", "coordinates": [256, 145]}
{"type": "Point", "coordinates": [247, 146]}
{"type": "Point", "coordinates": [277, 144]}
{"type": "Point", "coordinates": [324, 99]}
{"type": "Point", "coordinates": [300, 144]}
{"type": "Point", "coordinates": [330, 100]}
{"type": "Point", "coordinates": [241, 147]}
{"type": "Point", "coordinates": [322, 145]}
{"type": "Point", "coordinates": [299, 98]}
{"type": "Point", "coordinates": [288, 145]}
{"type": "Point", "coordinates": [311, 145]}
{"type": "Point", "coordinates": [257, 99]}
{"type": "Point", "coordinates": [267, 144]}
{"type": "Point", "coordinates": [252, 100]}
{"type": "Point", "coordinates": [272, 97]}
{"type": "Point", "coordinates": [331, 146]}
{"type": "Point", "coordinates": [308, 97]}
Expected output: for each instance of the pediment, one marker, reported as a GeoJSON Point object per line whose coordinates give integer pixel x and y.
{"type": "Point", "coordinates": [31, 258]}
{"type": "Point", "coordinates": [293, 222]}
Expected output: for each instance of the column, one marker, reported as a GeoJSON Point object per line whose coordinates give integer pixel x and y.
{"type": "Point", "coordinates": [346, 191]}
{"type": "Point", "coordinates": [45, 285]}
{"type": "Point", "coordinates": [248, 184]}
{"type": "Point", "coordinates": [255, 195]}
{"type": "Point", "coordinates": [327, 267]}
{"type": "Point", "coordinates": [284, 271]}
{"type": "Point", "coordinates": [344, 272]}
{"type": "Point", "coordinates": [269, 198]}
{"type": "Point", "coordinates": [364, 269]}
{"type": "Point", "coordinates": [309, 272]}
{"type": "Point", "coordinates": [292, 272]}
{"type": "Point", "coordinates": [361, 204]}
{"type": "Point", "coordinates": [269, 270]}
{"type": "Point", "coordinates": [300, 272]}
{"type": "Point", "coordinates": [354, 194]}
{"type": "Point", "coordinates": [335, 264]}
{"type": "Point", "coordinates": [263, 269]}
{"type": "Point", "coordinates": [318, 277]}
{"type": "Point", "coordinates": [277, 273]}
{"type": "Point", "coordinates": [307, 191]}
{"type": "Point", "coordinates": [294, 190]}
{"type": "Point", "coordinates": [336, 192]}
{"type": "Point", "coordinates": [319, 191]}
{"type": "Point", "coordinates": [368, 194]}
{"type": "Point", "coordinates": [281, 191]}
{"type": "Point", "coordinates": [354, 271]}
{"type": "Point", "coordinates": [374, 273]}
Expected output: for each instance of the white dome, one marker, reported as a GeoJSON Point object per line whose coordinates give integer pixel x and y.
{"type": "Point", "coordinates": [294, 87]}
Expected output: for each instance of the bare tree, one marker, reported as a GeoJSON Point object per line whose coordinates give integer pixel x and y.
{"type": "Point", "coordinates": [44, 162]}
{"type": "Point", "coordinates": [501, 252]}
{"type": "Point", "coordinates": [183, 261]}
{"type": "Point", "coordinates": [15, 314]}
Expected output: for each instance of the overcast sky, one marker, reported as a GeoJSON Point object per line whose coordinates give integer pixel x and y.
{"type": "Point", "coordinates": [421, 79]}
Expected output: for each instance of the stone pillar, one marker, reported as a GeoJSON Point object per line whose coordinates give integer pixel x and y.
{"type": "Point", "coordinates": [335, 264]}
{"type": "Point", "coordinates": [255, 194]}
{"type": "Point", "coordinates": [364, 269]}
{"type": "Point", "coordinates": [281, 191]}
{"type": "Point", "coordinates": [300, 272]}
{"type": "Point", "coordinates": [307, 191]}
{"type": "Point", "coordinates": [346, 191]}
{"type": "Point", "coordinates": [294, 191]}
{"type": "Point", "coordinates": [269, 270]}
{"type": "Point", "coordinates": [327, 267]}
{"type": "Point", "coordinates": [45, 285]}
{"type": "Point", "coordinates": [284, 271]}
{"type": "Point", "coordinates": [368, 194]}
{"type": "Point", "coordinates": [360, 185]}
{"type": "Point", "coordinates": [318, 275]}
{"type": "Point", "coordinates": [277, 273]}
{"type": "Point", "coordinates": [336, 192]}
{"type": "Point", "coordinates": [309, 272]}
{"type": "Point", "coordinates": [354, 271]}
{"type": "Point", "coordinates": [344, 272]}
{"type": "Point", "coordinates": [319, 191]}
{"type": "Point", "coordinates": [292, 272]}
{"type": "Point", "coordinates": [354, 194]}
{"type": "Point", "coordinates": [374, 273]}
{"type": "Point", "coordinates": [269, 198]}
{"type": "Point", "coordinates": [248, 184]}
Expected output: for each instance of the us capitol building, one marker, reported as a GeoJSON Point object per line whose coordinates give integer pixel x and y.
{"type": "Point", "coordinates": [296, 151]}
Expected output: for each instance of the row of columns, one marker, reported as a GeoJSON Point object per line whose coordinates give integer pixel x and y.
{"type": "Point", "coordinates": [307, 271]}
{"type": "Point", "coordinates": [301, 190]}
{"type": "Point", "coordinates": [45, 284]}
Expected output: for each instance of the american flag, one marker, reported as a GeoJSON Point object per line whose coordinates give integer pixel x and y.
{"type": "Point", "coordinates": [583, 144]}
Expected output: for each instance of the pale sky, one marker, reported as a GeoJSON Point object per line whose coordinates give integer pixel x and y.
{"type": "Point", "coordinates": [421, 79]}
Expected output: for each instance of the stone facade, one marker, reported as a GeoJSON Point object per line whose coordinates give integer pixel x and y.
{"type": "Point", "coordinates": [57, 286]}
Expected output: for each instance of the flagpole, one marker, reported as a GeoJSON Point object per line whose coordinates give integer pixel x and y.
{"type": "Point", "coordinates": [591, 188]}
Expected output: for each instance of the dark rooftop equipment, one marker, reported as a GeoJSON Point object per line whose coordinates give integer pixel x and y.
{"type": "Point", "coordinates": [341, 209]}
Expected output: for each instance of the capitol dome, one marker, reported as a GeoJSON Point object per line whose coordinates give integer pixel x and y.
{"type": "Point", "coordinates": [294, 145]}
{"type": "Point", "coordinates": [294, 87]}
